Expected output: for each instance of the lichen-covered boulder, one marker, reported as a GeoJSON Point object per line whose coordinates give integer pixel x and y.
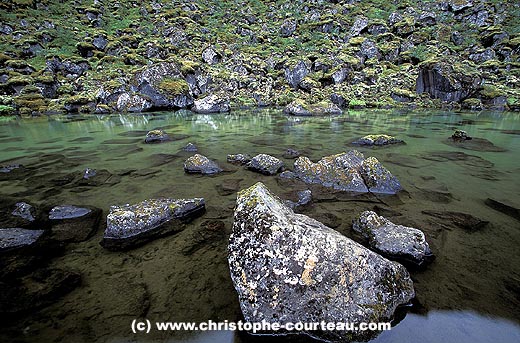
{"type": "Point", "coordinates": [156, 136]}
{"type": "Point", "coordinates": [287, 267]}
{"type": "Point", "coordinates": [240, 159]}
{"type": "Point", "coordinates": [265, 164]}
{"type": "Point", "coordinates": [337, 171]}
{"type": "Point", "coordinates": [211, 104]}
{"type": "Point", "coordinates": [405, 244]}
{"type": "Point", "coordinates": [377, 140]}
{"type": "Point", "coordinates": [348, 171]}
{"type": "Point", "coordinates": [377, 178]}
{"type": "Point", "coordinates": [129, 226]}
{"type": "Point", "coordinates": [199, 164]}
{"type": "Point", "coordinates": [72, 223]}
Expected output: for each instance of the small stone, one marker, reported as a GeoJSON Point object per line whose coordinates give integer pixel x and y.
{"type": "Point", "coordinates": [240, 159]}
{"type": "Point", "coordinates": [24, 211]}
{"type": "Point", "coordinates": [201, 164]}
{"type": "Point", "coordinates": [405, 244]}
{"type": "Point", "coordinates": [88, 173]}
{"type": "Point", "coordinates": [460, 135]}
{"type": "Point", "coordinates": [377, 140]}
{"type": "Point", "coordinates": [190, 147]}
{"type": "Point", "coordinates": [156, 136]}
{"type": "Point", "coordinates": [73, 224]}
{"type": "Point", "coordinates": [265, 164]}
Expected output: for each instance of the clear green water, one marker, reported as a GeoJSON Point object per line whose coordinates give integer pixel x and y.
{"type": "Point", "coordinates": [472, 285]}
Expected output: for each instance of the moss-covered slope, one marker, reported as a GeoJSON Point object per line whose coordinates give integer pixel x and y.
{"type": "Point", "coordinates": [104, 56]}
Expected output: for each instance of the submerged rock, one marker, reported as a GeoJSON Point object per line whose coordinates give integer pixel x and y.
{"type": "Point", "coordinates": [377, 140]}
{"type": "Point", "coordinates": [287, 267]}
{"type": "Point", "coordinates": [405, 244]}
{"type": "Point", "coordinates": [190, 147]}
{"type": "Point", "coordinates": [44, 287]}
{"type": "Point", "coordinates": [18, 238]}
{"type": "Point", "coordinates": [129, 226]}
{"type": "Point", "coordinates": [348, 171]}
{"type": "Point", "coordinates": [201, 164]}
{"type": "Point", "coordinates": [72, 223]}
{"type": "Point", "coordinates": [291, 153]}
{"type": "Point", "coordinates": [240, 159]}
{"type": "Point", "coordinates": [265, 164]}
{"type": "Point", "coordinates": [156, 136]}
{"type": "Point", "coordinates": [505, 207]}
{"type": "Point", "coordinates": [459, 219]}
{"type": "Point", "coordinates": [304, 198]}
{"type": "Point", "coordinates": [211, 104]}
{"type": "Point", "coordinates": [461, 140]}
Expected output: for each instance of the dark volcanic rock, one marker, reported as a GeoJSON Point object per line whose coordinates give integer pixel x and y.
{"type": "Point", "coordinates": [377, 140]}
{"type": "Point", "coordinates": [129, 226]}
{"type": "Point", "coordinates": [73, 224]}
{"type": "Point", "coordinates": [157, 136]}
{"type": "Point", "coordinates": [404, 244]}
{"type": "Point", "coordinates": [297, 74]}
{"type": "Point", "coordinates": [201, 164]}
{"type": "Point", "coordinates": [265, 164]}
{"type": "Point", "coordinates": [463, 220]}
{"type": "Point", "coordinates": [240, 159]}
{"type": "Point", "coordinates": [349, 172]}
{"type": "Point", "coordinates": [287, 267]}
{"type": "Point", "coordinates": [441, 82]}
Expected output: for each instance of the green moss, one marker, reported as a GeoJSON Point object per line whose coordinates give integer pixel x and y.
{"type": "Point", "coordinates": [174, 86]}
{"type": "Point", "coordinates": [357, 103]}
{"type": "Point", "coordinates": [6, 110]}
{"type": "Point", "coordinates": [491, 91]}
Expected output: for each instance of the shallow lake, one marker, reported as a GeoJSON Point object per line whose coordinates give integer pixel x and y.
{"type": "Point", "coordinates": [470, 293]}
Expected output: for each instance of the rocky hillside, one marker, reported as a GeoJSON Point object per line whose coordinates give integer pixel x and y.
{"type": "Point", "coordinates": [116, 56]}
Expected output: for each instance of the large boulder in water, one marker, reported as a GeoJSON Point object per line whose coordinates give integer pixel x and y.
{"type": "Point", "coordinates": [287, 267]}
{"type": "Point", "coordinates": [404, 244]}
{"type": "Point", "coordinates": [129, 226]}
{"type": "Point", "coordinates": [348, 171]}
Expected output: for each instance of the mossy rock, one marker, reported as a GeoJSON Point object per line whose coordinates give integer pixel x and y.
{"type": "Point", "coordinates": [6, 110]}
{"type": "Point", "coordinates": [491, 91]}
{"type": "Point", "coordinates": [173, 86]}
{"type": "Point", "coordinates": [357, 103]}
{"type": "Point", "coordinates": [33, 101]}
